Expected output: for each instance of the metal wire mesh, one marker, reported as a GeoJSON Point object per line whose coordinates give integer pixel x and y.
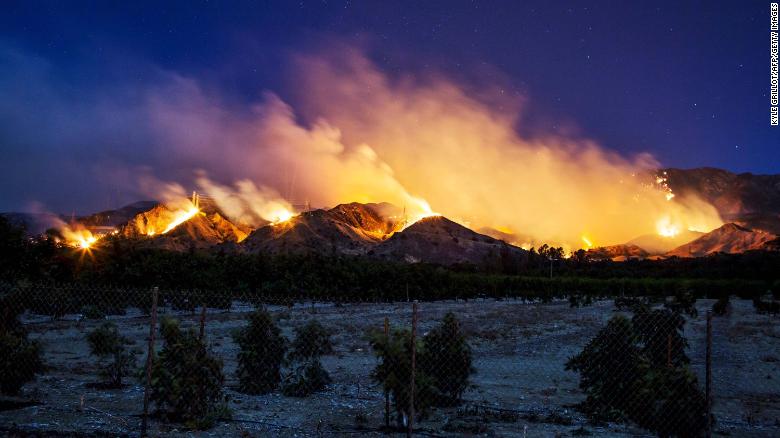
{"type": "Point", "coordinates": [287, 366]}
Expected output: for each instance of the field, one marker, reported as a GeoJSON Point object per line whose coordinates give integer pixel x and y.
{"type": "Point", "coordinates": [520, 387]}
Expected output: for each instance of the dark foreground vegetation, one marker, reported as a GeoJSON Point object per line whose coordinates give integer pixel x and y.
{"type": "Point", "coordinates": [182, 276]}
{"type": "Point", "coordinates": [635, 369]}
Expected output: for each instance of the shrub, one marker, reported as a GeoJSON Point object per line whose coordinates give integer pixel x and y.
{"type": "Point", "coordinates": [311, 342]}
{"type": "Point", "coordinates": [771, 307]}
{"type": "Point", "coordinates": [722, 306]}
{"type": "Point", "coordinates": [394, 373]}
{"type": "Point", "coordinates": [187, 380]}
{"type": "Point", "coordinates": [92, 312]}
{"type": "Point", "coordinates": [262, 349]}
{"type": "Point", "coordinates": [656, 331]}
{"type": "Point", "coordinates": [629, 372]}
{"type": "Point", "coordinates": [306, 379]}
{"type": "Point", "coordinates": [446, 359]}
{"type": "Point", "coordinates": [105, 342]}
{"type": "Point", "coordinates": [308, 376]}
{"type": "Point", "coordinates": [683, 302]}
{"type": "Point", "coordinates": [20, 358]}
{"type": "Point", "coordinates": [609, 368]}
{"type": "Point", "coordinates": [669, 402]}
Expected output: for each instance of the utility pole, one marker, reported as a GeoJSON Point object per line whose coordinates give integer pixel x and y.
{"type": "Point", "coordinates": [708, 375]}
{"type": "Point", "coordinates": [410, 420]}
{"type": "Point", "coordinates": [149, 361]}
{"type": "Point", "coordinates": [551, 263]}
{"type": "Point", "coordinates": [387, 393]}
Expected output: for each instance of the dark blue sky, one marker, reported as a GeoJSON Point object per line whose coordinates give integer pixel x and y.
{"type": "Point", "coordinates": [686, 81]}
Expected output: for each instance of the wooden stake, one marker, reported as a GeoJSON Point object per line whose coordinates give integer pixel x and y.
{"type": "Point", "coordinates": [387, 393]}
{"type": "Point", "coordinates": [149, 361]}
{"type": "Point", "coordinates": [708, 388]}
{"type": "Point", "coordinates": [410, 422]}
{"type": "Point", "coordinates": [202, 321]}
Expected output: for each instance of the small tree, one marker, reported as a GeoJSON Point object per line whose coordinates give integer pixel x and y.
{"type": "Point", "coordinates": [394, 373]}
{"type": "Point", "coordinates": [311, 342]}
{"type": "Point", "coordinates": [669, 402]}
{"type": "Point", "coordinates": [187, 380]}
{"type": "Point", "coordinates": [659, 332]}
{"type": "Point", "coordinates": [447, 361]}
{"type": "Point", "coordinates": [637, 370]}
{"type": "Point", "coordinates": [609, 368]}
{"type": "Point", "coordinates": [262, 349]}
{"type": "Point", "coordinates": [106, 343]}
{"type": "Point", "coordinates": [722, 307]}
{"type": "Point", "coordinates": [20, 358]}
{"type": "Point", "coordinates": [308, 376]}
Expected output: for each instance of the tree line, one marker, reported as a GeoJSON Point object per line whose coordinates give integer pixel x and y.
{"type": "Point", "coordinates": [541, 274]}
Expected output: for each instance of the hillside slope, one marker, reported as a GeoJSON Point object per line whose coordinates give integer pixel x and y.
{"type": "Point", "coordinates": [345, 229]}
{"type": "Point", "coordinates": [437, 239]}
{"type": "Point", "coordinates": [730, 238]}
{"type": "Point", "coordinates": [202, 230]}
{"type": "Point", "coordinates": [750, 200]}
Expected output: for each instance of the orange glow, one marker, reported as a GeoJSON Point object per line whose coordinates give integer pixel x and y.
{"type": "Point", "coordinates": [165, 218]}
{"type": "Point", "coordinates": [419, 209]}
{"type": "Point", "coordinates": [667, 228]}
{"type": "Point", "coordinates": [417, 143]}
{"type": "Point", "coordinates": [78, 237]}
{"type": "Point", "coordinates": [280, 215]}
{"type": "Point", "coordinates": [181, 217]}
{"type": "Point", "coordinates": [587, 242]}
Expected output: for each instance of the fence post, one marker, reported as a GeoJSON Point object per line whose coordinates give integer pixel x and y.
{"type": "Point", "coordinates": [387, 393]}
{"type": "Point", "coordinates": [202, 321]}
{"type": "Point", "coordinates": [410, 422]}
{"type": "Point", "coordinates": [708, 387]}
{"type": "Point", "coordinates": [149, 360]}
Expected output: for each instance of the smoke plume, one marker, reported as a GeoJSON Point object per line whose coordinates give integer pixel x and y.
{"type": "Point", "coordinates": [372, 138]}
{"type": "Point", "coordinates": [357, 134]}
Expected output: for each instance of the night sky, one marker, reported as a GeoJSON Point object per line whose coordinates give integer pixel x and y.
{"type": "Point", "coordinates": [687, 82]}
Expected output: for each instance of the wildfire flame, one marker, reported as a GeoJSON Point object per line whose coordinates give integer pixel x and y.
{"type": "Point", "coordinates": [420, 209]}
{"type": "Point", "coordinates": [663, 184]}
{"type": "Point", "coordinates": [181, 217]}
{"type": "Point", "coordinates": [667, 228]}
{"type": "Point", "coordinates": [281, 215]}
{"type": "Point", "coordinates": [427, 138]}
{"type": "Point", "coordinates": [587, 242]}
{"type": "Point", "coordinates": [78, 237]}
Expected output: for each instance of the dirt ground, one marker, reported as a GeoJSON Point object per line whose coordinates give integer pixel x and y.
{"type": "Point", "coordinates": [520, 387]}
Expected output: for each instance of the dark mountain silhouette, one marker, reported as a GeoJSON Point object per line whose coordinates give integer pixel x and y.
{"type": "Point", "coordinates": [750, 200]}
{"type": "Point", "coordinates": [437, 239]}
{"type": "Point", "coordinates": [730, 238]}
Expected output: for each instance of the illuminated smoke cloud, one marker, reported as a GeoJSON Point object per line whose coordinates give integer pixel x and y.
{"type": "Point", "coordinates": [378, 139]}
{"type": "Point", "coordinates": [355, 134]}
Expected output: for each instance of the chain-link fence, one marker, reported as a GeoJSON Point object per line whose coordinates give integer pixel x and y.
{"type": "Point", "coordinates": [75, 361]}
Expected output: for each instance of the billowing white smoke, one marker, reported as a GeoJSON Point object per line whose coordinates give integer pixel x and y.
{"type": "Point", "coordinates": [372, 139]}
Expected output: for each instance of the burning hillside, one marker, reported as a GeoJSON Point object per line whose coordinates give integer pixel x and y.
{"type": "Point", "coordinates": [345, 229]}
{"type": "Point", "coordinates": [730, 238]}
{"type": "Point", "coordinates": [752, 201]}
{"type": "Point", "coordinates": [355, 134]}
{"type": "Point", "coordinates": [183, 225]}
{"type": "Point", "coordinates": [428, 146]}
